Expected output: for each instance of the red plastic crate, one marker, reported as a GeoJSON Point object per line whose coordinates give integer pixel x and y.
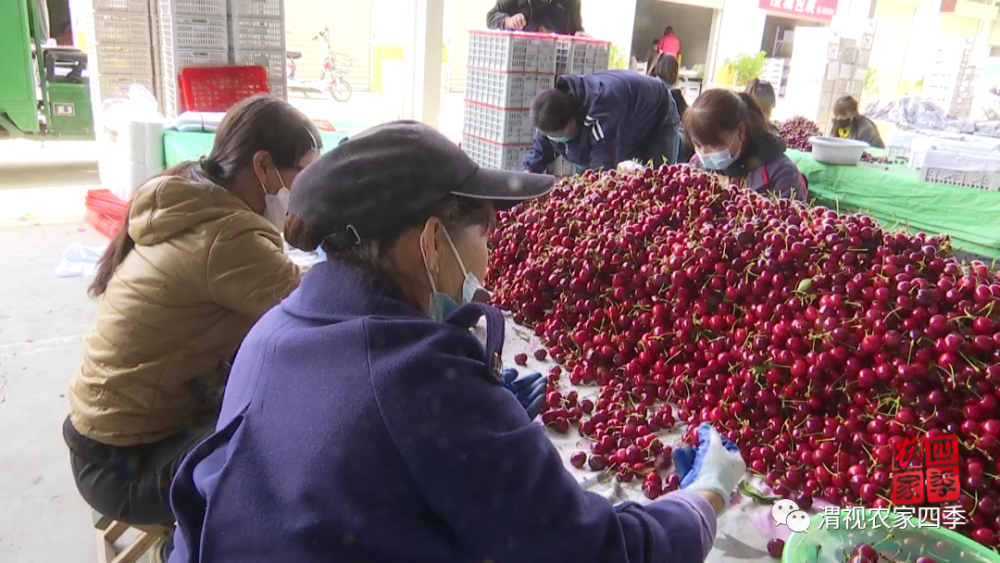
{"type": "Point", "coordinates": [107, 226]}
{"type": "Point", "coordinates": [219, 88]}
{"type": "Point", "coordinates": [103, 202]}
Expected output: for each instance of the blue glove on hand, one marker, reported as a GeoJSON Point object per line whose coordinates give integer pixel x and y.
{"type": "Point", "coordinates": [529, 390]}
{"type": "Point", "coordinates": [715, 465]}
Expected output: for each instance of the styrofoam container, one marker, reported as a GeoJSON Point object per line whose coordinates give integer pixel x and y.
{"type": "Point", "coordinates": [962, 169]}
{"type": "Point", "coordinates": [830, 150]}
{"type": "Point", "coordinates": [899, 142]}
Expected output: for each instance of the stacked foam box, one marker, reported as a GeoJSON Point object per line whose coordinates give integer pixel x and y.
{"type": "Point", "coordinates": [193, 33]}
{"type": "Point", "coordinates": [118, 34]}
{"type": "Point", "coordinates": [774, 73]}
{"type": "Point", "coordinates": [844, 51]}
{"type": "Point", "coordinates": [257, 37]}
{"type": "Point", "coordinates": [950, 82]}
{"type": "Point", "coordinates": [505, 73]}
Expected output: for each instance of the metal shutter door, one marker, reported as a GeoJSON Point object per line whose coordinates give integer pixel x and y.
{"type": "Point", "coordinates": [465, 15]}
{"type": "Point", "coordinates": [952, 26]}
{"type": "Point", "coordinates": [889, 49]}
{"type": "Point", "coordinates": [350, 23]}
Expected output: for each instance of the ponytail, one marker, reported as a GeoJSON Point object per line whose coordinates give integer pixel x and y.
{"type": "Point", "coordinates": [756, 124]}
{"type": "Point", "coordinates": [122, 243]}
{"type": "Point", "coordinates": [113, 256]}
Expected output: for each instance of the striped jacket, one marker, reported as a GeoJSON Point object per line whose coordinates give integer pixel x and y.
{"type": "Point", "coordinates": [623, 111]}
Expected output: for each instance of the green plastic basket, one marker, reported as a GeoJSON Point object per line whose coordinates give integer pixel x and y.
{"type": "Point", "coordinates": [827, 545]}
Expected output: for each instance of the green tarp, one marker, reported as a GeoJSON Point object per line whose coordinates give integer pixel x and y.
{"type": "Point", "coordinates": [895, 196]}
{"type": "Point", "coordinates": [179, 146]}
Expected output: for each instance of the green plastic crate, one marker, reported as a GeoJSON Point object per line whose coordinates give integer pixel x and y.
{"type": "Point", "coordinates": [824, 545]}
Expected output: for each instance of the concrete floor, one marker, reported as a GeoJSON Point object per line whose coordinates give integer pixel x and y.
{"type": "Point", "coordinates": [42, 323]}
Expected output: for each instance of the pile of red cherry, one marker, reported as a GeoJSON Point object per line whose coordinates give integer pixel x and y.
{"type": "Point", "coordinates": [796, 132]}
{"type": "Point", "coordinates": [869, 157]}
{"type": "Point", "coordinates": [812, 340]}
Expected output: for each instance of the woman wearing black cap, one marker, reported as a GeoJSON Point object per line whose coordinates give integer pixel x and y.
{"type": "Point", "coordinates": [364, 422]}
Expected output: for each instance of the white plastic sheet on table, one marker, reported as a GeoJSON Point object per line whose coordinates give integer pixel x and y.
{"type": "Point", "coordinates": [740, 532]}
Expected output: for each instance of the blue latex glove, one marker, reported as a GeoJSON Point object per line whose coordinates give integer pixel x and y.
{"type": "Point", "coordinates": [715, 465]}
{"type": "Point", "coordinates": [529, 390]}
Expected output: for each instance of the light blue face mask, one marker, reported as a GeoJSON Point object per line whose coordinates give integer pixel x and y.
{"type": "Point", "coordinates": [719, 160]}
{"type": "Point", "coordinates": [440, 305]}
{"type": "Point", "coordinates": [562, 140]}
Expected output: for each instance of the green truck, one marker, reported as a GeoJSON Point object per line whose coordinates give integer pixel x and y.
{"type": "Point", "coordinates": [44, 90]}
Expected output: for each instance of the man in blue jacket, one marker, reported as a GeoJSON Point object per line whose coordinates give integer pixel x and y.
{"type": "Point", "coordinates": [598, 120]}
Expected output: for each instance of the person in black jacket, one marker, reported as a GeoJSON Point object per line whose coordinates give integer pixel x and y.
{"type": "Point", "coordinates": [599, 120]}
{"type": "Point", "coordinates": [551, 16]}
{"type": "Point", "coordinates": [848, 123]}
{"type": "Point", "coordinates": [665, 67]}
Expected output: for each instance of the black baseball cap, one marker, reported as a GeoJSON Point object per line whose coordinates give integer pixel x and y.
{"type": "Point", "coordinates": [390, 173]}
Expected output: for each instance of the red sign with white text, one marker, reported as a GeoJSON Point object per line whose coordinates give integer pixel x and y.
{"type": "Point", "coordinates": [822, 9]}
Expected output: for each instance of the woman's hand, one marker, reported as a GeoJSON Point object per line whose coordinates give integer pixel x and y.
{"type": "Point", "coordinates": [715, 466]}
{"type": "Point", "coordinates": [529, 390]}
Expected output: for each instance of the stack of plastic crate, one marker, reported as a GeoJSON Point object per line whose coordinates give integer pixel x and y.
{"type": "Point", "coordinates": [118, 34]}
{"type": "Point", "coordinates": [581, 55]}
{"type": "Point", "coordinates": [505, 73]}
{"type": "Point", "coordinates": [193, 33]}
{"type": "Point", "coordinates": [257, 37]}
{"type": "Point", "coordinates": [950, 82]}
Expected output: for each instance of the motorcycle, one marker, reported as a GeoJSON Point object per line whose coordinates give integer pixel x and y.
{"type": "Point", "coordinates": [332, 81]}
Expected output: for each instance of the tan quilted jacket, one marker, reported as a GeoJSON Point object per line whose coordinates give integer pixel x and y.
{"type": "Point", "coordinates": [205, 267]}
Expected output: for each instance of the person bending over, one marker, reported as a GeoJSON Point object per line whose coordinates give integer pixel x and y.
{"type": "Point", "coordinates": [198, 260]}
{"type": "Point", "coordinates": [364, 422]}
{"type": "Point", "coordinates": [599, 120]}
{"type": "Point", "coordinates": [848, 123]}
{"type": "Point", "coordinates": [730, 137]}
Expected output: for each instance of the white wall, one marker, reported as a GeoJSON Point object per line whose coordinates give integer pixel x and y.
{"type": "Point", "coordinates": [740, 31]}
{"type": "Point", "coordinates": [610, 20]}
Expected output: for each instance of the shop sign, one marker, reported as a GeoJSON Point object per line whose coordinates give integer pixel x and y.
{"type": "Point", "coordinates": [822, 9]}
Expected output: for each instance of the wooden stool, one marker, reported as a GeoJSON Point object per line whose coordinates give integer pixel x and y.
{"type": "Point", "coordinates": [109, 531]}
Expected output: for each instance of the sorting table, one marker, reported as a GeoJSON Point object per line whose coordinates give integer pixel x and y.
{"type": "Point", "coordinates": [894, 195]}
{"type": "Point", "coordinates": [739, 535]}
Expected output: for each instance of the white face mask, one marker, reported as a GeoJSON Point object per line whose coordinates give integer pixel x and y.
{"type": "Point", "coordinates": [440, 305]}
{"type": "Point", "coordinates": [276, 205]}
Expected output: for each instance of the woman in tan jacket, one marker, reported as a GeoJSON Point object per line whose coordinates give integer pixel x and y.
{"type": "Point", "coordinates": [197, 262]}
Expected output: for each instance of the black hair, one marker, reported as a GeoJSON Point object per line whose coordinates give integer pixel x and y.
{"type": "Point", "coordinates": [666, 68]}
{"type": "Point", "coordinates": [762, 93]}
{"type": "Point", "coordinates": [554, 109]}
{"type": "Point", "coordinates": [668, 31]}
{"type": "Point", "coordinates": [847, 103]}
{"type": "Point", "coordinates": [717, 111]}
